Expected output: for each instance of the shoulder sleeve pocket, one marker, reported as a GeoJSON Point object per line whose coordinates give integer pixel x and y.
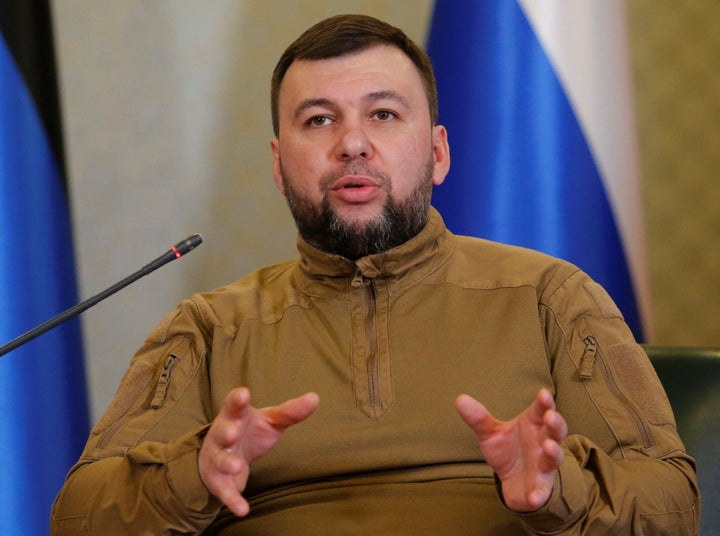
{"type": "Point", "coordinates": [150, 390]}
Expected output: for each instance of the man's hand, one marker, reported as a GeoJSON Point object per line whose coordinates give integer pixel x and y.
{"type": "Point", "coordinates": [240, 434]}
{"type": "Point", "coordinates": [524, 452]}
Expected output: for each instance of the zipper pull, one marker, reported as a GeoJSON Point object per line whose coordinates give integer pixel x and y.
{"type": "Point", "coordinates": [358, 280]}
{"type": "Point", "coordinates": [163, 382]}
{"type": "Point", "coordinates": [587, 361]}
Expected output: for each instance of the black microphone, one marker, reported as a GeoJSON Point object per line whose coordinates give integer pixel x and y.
{"type": "Point", "coordinates": [175, 252]}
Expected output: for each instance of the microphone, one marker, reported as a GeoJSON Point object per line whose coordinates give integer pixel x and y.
{"type": "Point", "coordinates": [175, 252]}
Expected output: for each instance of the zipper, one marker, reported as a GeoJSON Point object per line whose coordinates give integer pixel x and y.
{"type": "Point", "coordinates": [588, 358]}
{"type": "Point", "coordinates": [358, 280]}
{"type": "Point", "coordinates": [371, 357]}
{"type": "Point", "coordinates": [158, 399]}
{"type": "Point", "coordinates": [372, 347]}
{"type": "Point", "coordinates": [111, 430]}
{"type": "Point", "coordinates": [163, 382]}
{"type": "Point", "coordinates": [587, 361]}
{"type": "Point", "coordinates": [109, 433]}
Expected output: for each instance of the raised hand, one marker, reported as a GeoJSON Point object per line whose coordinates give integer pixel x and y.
{"type": "Point", "coordinates": [240, 434]}
{"type": "Point", "coordinates": [524, 452]}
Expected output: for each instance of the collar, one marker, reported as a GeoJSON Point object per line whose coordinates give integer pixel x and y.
{"type": "Point", "coordinates": [320, 272]}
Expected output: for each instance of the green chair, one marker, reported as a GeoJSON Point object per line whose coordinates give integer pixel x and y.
{"type": "Point", "coordinates": [691, 377]}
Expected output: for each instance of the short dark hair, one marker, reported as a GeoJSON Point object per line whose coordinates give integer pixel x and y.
{"type": "Point", "coordinates": [345, 34]}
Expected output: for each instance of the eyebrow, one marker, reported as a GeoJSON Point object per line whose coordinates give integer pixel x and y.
{"type": "Point", "coordinates": [309, 103]}
{"type": "Point", "coordinates": [373, 96]}
{"type": "Point", "coordinates": [386, 94]}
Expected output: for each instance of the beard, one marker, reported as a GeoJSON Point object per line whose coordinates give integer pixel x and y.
{"type": "Point", "coordinates": [399, 220]}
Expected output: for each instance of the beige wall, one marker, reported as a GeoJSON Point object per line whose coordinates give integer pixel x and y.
{"type": "Point", "coordinates": [676, 60]}
{"type": "Point", "coordinates": [167, 131]}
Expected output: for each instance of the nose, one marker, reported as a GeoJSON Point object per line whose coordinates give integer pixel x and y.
{"type": "Point", "coordinates": [353, 142]}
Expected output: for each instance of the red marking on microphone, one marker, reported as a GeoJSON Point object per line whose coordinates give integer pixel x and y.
{"type": "Point", "coordinates": [177, 253]}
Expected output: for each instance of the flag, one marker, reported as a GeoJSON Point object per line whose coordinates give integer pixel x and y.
{"type": "Point", "coordinates": [43, 400]}
{"type": "Point", "coordinates": [536, 97]}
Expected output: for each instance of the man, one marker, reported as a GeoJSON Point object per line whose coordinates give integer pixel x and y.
{"type": "Point", "coordinates": [359, 354]}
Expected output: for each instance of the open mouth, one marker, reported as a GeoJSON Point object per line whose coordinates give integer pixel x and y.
{"type": "Point", "coordinates": [356, 189]}
{"type": "Point", "coordinates": [350, 182]}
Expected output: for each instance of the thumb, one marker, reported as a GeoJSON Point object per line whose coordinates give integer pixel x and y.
{"type": "Point", "coordinates": [476, 416]}
{"type": "Point", "coordinates": [292, 411]}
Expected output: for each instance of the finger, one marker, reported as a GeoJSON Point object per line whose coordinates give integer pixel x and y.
{"type": "Point", "coordinates": [554, 455]}
{"type": "Point", "coordinates": [227, 428]}
{"type": "Point", "coordinates": [219, 471]}
{"type": "Point", "coordinates": [476, 416]}
{"type": "Point", "coordinates": [236, 403]}
{"type": "Point", "coordinates": [226, 491]}
{"type": "Point", "coordinates": [224, 432]}
{"type": "Point", "coordinates": [227, 462]}
{"type": "Point", "coordinates": [292, 411]}
{"type": "Point", "coordinates": [538, 497]}
{"type": "Point", "coordinates": [546, 398]}
{"type": "Point", "coordinates": [556, 426]}
{"type": "Point", "coordinates": [543, 403]}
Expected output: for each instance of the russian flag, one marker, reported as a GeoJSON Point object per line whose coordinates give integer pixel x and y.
{"type": "Point", "coordinates": [43, 400]}
{"type": "Point", "coordinates": [536, 96]}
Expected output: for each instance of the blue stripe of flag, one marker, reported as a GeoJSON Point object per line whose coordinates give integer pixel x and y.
{"type": "Point", "coordinates": [43, 406]}
{"type": "Point", "coordinates": [522, 172]}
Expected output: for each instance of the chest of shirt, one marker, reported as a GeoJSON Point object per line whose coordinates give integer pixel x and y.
{"type": "Point", "coordinates": [388, 369]}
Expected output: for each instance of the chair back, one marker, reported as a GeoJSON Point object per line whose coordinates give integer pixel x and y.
{"type": "Point", "coordinates": [691, 378]}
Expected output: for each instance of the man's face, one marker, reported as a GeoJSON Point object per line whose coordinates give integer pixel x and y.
{"type": "Point", "coordinates": [356, 153]}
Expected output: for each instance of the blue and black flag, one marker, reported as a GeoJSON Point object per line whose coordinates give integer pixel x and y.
{"type": "Point", "coordinates": [43, 399]}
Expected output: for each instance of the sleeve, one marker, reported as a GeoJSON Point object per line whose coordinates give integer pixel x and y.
{"type": "Point", "coordinates": [625, 470]}
{"type": "Point", "coordinates": [138, 472]}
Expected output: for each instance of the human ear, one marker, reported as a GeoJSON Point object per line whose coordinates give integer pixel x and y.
{"type": "Point", "coordinates": [441, 154]}
{"type": "Point", "coordinates": [277, 168]}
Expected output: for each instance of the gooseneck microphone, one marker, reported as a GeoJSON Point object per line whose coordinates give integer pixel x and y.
{"type": "Point", "coordinates": [175, 252]}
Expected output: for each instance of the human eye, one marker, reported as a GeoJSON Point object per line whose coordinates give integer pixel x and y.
{"type": "Point", "coordinates": [318, 121]}
{"type": "Point", "coordinates": [384, 115]}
